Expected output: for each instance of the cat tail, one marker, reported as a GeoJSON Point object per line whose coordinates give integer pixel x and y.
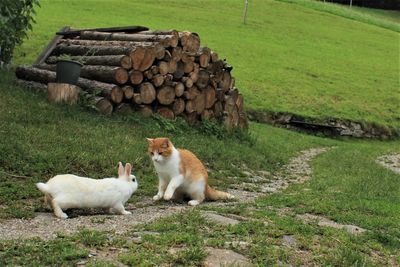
{"type": "Point", "coordinates": [212, 194]}
{"type": "Point", "coordinates": [43, 187]}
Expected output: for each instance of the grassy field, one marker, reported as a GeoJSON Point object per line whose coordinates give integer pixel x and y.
{"type": "Point", "coordinates": [311, 62]}
{"type": "Point", "coordinates": [40, 139]}
{"type": "Point", "coordinates": [289, 57]}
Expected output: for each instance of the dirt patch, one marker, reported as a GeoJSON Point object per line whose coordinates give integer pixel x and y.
{"type": "Point", "coordinates": [390, 161]}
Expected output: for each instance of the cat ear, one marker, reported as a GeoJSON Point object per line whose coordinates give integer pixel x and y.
{"type": "Point", "coordinates": [150, 141]}
{"type": "Point", "coordinates": [165, 143]}
{"type": "Point", "coordinates": [128, 169]}
{"type": "Point", "coordinates": [120, 169]}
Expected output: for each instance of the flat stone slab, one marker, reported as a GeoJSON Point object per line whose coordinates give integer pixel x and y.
{"type": "Point", "coordinates": [321, 221]}
{"type": "Point", "coordinates": [390, 161]}
{"type": "Point", "coordinates": [224, 257]}
{"type": "Point", "coordinates": [214, 217]}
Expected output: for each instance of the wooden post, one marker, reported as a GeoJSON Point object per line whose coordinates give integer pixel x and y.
{"type": "Point", "coordinates": [63, 93]}
{"type": "Point", "coordinates": [351, 3]}
{"type": "Point", "coordinates": [245, 11]}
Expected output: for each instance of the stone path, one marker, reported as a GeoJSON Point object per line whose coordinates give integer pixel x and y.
{"type": "Point", "coordinates": [390, 161]}
{"type": "Point", "coordinates": [46, 226]}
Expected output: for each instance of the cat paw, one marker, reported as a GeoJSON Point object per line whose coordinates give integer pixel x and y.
{"type": "Point", "coordinates": [62, 216]}
{"type": "Point", "coordinates": [157, 197]}
{"type": "Point", "coordinates": [167, 197]}
{"type": "Point", "coordinates": [126, 212]}
{"type": "Point", "coordinates": [193, 202]}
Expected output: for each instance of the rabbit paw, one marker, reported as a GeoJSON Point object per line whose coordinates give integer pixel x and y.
{"type": "Point", "coordinates": [157, 197]}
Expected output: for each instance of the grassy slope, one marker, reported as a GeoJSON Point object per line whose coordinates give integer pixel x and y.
{"type": "Point", "coordinates": [40, 140]}
{"type": "Point", "coordinates": [287, 58]}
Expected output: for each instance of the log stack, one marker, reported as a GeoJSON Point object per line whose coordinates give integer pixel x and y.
{"type": "Point", "coordinates": [165, 72]}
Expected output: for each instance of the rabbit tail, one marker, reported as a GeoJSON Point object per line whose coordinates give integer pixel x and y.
{"type": "Point", "coordinates": [43, 187]}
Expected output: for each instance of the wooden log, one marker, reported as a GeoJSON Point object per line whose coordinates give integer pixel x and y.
{"type": "Point", "coordinates": [203, 79]}
{"type": "Point", "coordinates": [161, 32]}
{"type": "Point", "coordinates": [187, 81]}
{"type": "Point", "coordinates": [154, 69]}
{"type": "Point", "coordinates": [204, 57]}
{"type": "Point", "coordinates": [166, 95]}
{"type": "Point", "coordinates": [214, 56]}
{"type": "Point", "coordinates": [220, 94]}
{"type": "Point", "coordinates": [240, 102]}
{"type": "Point", "coordinates": [124, 109]}
{"type": "Point", "coordinates": [178, 106]}
{"type": "Point", "coordinates": [136, 77]}
{"type": "Point", "coordinates": [194, 76]}
{"type": "Point", "coordinates": [163, 67]}
{"type": "Point", "coordinates": [158, 80]}
{"type": "Point", "coordinates": [233, 93]}
{"type": "Point", "coordinates": [105, 43]}
{"type": "Point", "coordinates": [178, 74]}
{"type": "Point", "coordinates": [200, 102]}
{"type": "Point", "coordinates": [191, 118]}
{"type": "Point", "coordinates": [106, 74]}
{"type": "Point", "coordinates": [209, 97]}
{"type": "Point", "coordinates": [243, 122]}
{"type": "Point", "coordinates": [172, 66]}
{"type": "Point", "coordinates": [191, 93]}
{"type": "Point", "coordinates": [225, 81]}
{"type": "Point", "coordinates": [142, 57]}
{"type": "Point", "coordinates": [217, 69]}
{"type": "Point", "coordinates": [117, 95]}
{"type": "Point", "coordinates": [146, 111]}
{"type": "Point", "coordinates": [165, 112]}
{"type": "Point", "coordinates": [179, 89]}
{"type": "Point", "coordinates": [159, 51]}
{"type": "Point", "coordinates": [218, 109]}
{"type": "Point", "coordinates": [66, 31]}
{"type": "Point", "coordinates": [81, 50]}
{"type": "Point", "coordinates": [32, 85]}
{"type": "Point", "coordinates": [137, 99]}
{"type": "Point", "coordinates": [190, 41]}
{"type": "Point", "coordinates": [45, 76]}
{"type": "Point", "coordinates": [114, 60]}
{"type": "Point", "coordinates": [188, 67]}
{"type": "Point", "coordinates": [62, 93]}
{"type": "Point", "coordinates": [207, 114]}
{"type": "Point", "coordinates": [229, 104]}
{"type": "Point", "coordinates": [128, 91]}
{"type": "Point", "coordinates": [190, 106]}
{"type": "Point", "coordinates": [176, 53]}
{"type": "Point", "coordinates": [102, 104]}
{"type": "Point", "coordinates": [187, 57]}
{"type": "Point", "coordinates": [165, 40]}
{"type": "Point", "coordinates": [148, 74]}
{"type": "Point", "coordinates": [167, 56]}
{"type": "Point", "coordinates": [147, 93]}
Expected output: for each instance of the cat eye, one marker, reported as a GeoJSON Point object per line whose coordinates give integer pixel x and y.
{"type": "Point", "coordinates": [160, 153]}
{"type": "Point", "coordinates": [152, 153]}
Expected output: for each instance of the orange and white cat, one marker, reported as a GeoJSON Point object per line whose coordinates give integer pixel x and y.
{"type": "Point", "coordinates": [180, 174]}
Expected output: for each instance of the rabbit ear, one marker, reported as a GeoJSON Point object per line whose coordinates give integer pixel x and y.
{"type": "Point", "coordinates": [120, 169]}
{"type": "Point", "coordinates": [128, 169]}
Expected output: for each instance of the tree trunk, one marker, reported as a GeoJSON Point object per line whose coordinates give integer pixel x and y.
{"type": "Point", "coordinates": [105, 74]}
{"type": "Point", "coordinates": [117, 95]}
{"type": "Point", "coordinates": [81, 50]}
{"type": "Point", "coordinates": [128, 91]}
{"type": "Point", "coordinates": [62, 93]}
{"type": "Point", "coordinates": [166, 112]}
{"type": "Point", "coordinates": [147, 93]}
{"type": "Point", "coordinates": [166, 95]}
{"type": "Point", "coordinates": [136, 77]}
{"type": "Point", "coordinates": [165, 40]}
{"type": "Point", "coordinates": [179, 106]}
{"type": "Point", "coordinates": [190, 41]}
{"type": "Point", "coordinates": [114, 60]}
{"type": "Point", "coordinates": [203, 79]}
{"type": "Point", "coordinates": [142, 57]}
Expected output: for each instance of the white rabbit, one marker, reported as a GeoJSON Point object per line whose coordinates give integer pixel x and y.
{"type": "Point", "coordinates": [71, 191]}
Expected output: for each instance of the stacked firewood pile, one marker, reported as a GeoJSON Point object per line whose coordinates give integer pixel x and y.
{"type": "Point", "coordinates": [164, 72]}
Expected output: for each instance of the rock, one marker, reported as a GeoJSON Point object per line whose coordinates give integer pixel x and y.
{"type": "Point", "coordinates": [223, 257]}
{"type": "Point", "coordinates": [214, 217]}
{"type": "Point", "coordinates": [289, 241]}
{"type": "Point", "coordinates": [236, 244]}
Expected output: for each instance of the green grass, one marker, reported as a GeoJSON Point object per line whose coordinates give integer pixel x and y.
{"type": "Point", "coordinates": [299, 59]}
{"type": "Point", "coordinates": [289, 58]}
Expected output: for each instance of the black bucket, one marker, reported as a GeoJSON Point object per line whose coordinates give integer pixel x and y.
{"type": "Point", "coordinates": [68, 71]}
